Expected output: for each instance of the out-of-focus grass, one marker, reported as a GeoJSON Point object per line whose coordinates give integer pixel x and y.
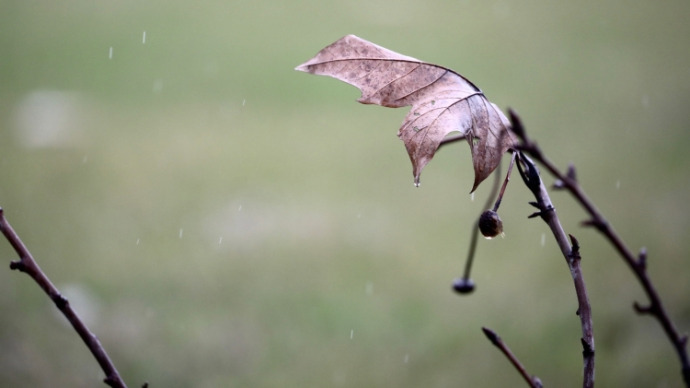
{"type": "Point", "coordinates": [225, 221]}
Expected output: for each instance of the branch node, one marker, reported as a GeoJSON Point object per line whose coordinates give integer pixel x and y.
{"type": "Point", "coordinates": [587, 350]}
{"type": "Point", "coordinates": [642, 259]}
{"type": "Point", "coordinates": [571, 174]}
{"type": "Point", "coordinates": [18, 265]}
{"type": "Point", "coordinates": [60, 301]}
{"type": "Point", "coordinates": [574, 249]}
{"type": "Point", "coordinates": [642, 310]}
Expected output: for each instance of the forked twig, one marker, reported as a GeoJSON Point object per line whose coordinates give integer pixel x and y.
{"type": "Point", "coordinates": [28, 265]}
{"type": "Point", "coordinates": [533, 381]}
{"type": "Point", "coordinates": [637, 264]}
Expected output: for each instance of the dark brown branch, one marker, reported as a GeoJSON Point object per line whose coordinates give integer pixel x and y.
{"type": "Point", "coordinates": [638, 265]}
{"type": "Point", "coordinates": [533, 381]}
{"type": "Point", "coordinates": [571, 253]}
{"type": "Point", "coordinates": [28, 265]}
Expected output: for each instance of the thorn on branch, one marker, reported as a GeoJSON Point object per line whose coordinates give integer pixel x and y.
{"type": "Point", "coordinates": [600, 224]}
{"type": "Point", "coordinates": [541, 212]}
{"type": "Point", "coordinates": [570, 176]}
{"type": "Point", "coordinates": [642, 310]}
{"type": "Point", "coordinates": [642, 259]}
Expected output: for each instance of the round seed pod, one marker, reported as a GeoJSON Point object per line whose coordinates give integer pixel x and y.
{"type": "Point", "coordinates": [490, 224]}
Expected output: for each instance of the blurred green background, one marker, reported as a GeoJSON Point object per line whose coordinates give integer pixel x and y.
{"type": "Point", "coordinates": [221, 220]}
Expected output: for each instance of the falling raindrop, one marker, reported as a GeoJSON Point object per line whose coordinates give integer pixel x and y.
{"type": "Point", "coordinates": [244, 102]}
{"type": "Point", "coordinates": [220, 240]}
{"type": "Point", "coordinates": [138, 241]}
{"type": "Point", "coordinates": [352, 333]}
{"type": "Point", "coordinates": [181, 231]}
{"type": "Point", "coordinates": [143, 38]}
{"type": "Point", "coordinates": [472, 197]}
{"type": "Point", "coordinates": [110, 52]}
{"type": "Point", "coordinates": [239, 208]}
{"type": "Point", "coordinates": [543, 239]}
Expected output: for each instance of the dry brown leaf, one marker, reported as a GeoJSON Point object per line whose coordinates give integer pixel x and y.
{"type": "Point", "coordinates": [442, 101]}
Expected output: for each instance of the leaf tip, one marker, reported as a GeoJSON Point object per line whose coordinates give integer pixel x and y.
{"type": "Point", "coordinates": [303, 67]}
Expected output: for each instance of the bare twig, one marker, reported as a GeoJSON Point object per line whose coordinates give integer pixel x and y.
{"type": "Point", "coordinates": [637, 264]}
{"type": "Point", "coordinates": [571, 252]}
{"type": "Point", "coordinates": [28, 265]}
{"type": "Point", "coordinates": [533, 381]}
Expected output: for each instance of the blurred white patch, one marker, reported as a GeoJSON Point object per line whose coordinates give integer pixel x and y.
{"type": "Point", "coordinates": [543, 239]}
{"type": "Point", "coordinates": [157, 86]}
{"type": "Point", "coordinates": [49, 118]}
{"type": "Point", "coordinates": [110, 52]}
{"type": "Point", "coordinates": [369, 289]}
{"type": "Point", "coordinates": [143, 38]}
{"type": "Point", "coordinates": [83, 302]}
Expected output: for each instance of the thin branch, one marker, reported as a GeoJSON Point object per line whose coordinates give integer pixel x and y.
{"type": "Point", "coordinates": [28, 265]}
{"type": "Point", "coordinates": [637, 264]}
{"type": "Point", "coordinates": [571, 253]}
{"type": "Point", "coordinates": [533, 381]}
